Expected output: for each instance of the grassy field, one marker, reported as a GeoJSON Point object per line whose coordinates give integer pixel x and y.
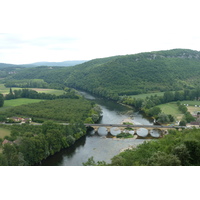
{"type": "Point", "coordinates": [171, 108]}
{"type": "Point", "coordinates": [5, 90]}
{"type": "Point", "coordinates": [49, 91]}
{"type": "Point", "coordinates": [18, 102]}
{"type": "Point", "coordinates": [4, 132]}
{"type": "Point", "coordinates": [191, 103]}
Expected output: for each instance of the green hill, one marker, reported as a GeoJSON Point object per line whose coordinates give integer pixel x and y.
{"type": "Point", "coordinates": [140, 73]}
{"type": "Point", "coordinates": [127, 75]}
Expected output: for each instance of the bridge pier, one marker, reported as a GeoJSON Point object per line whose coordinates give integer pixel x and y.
{"type": "Point", "coordinates": [149, 133]}
{"type": "Point", "coordinates": [108, 129]}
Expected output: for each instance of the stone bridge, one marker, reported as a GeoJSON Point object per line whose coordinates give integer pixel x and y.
{"type": "Point", "coordinates": [124, 127]}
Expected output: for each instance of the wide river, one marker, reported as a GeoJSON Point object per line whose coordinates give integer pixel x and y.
{"type": "Point", "coordinates": [100, 146]}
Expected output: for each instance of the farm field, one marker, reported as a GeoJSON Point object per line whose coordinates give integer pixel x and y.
{"type": "Point", "coordinates": [18, 102]}
{"type": "Point", "coordinates": [49, 91]}
{"type": "Point", "coordinates": [5, 90]}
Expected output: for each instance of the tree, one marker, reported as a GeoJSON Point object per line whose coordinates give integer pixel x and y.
{"type": "Point", "coordinates": [163, 118]}
{"type": "Point", "coordinates": [11, 154]}
{"type": "Point", "coordinates": [188, 117]}
{"type": "Point", "coordinates": [168, 96]}
{"type": "Point", "coordinates": [1, 100]}
{"type": "Point", "coordinates": [163, 159]}
{"type": "Point", "coordinates": [155, 111]}
{"type": "Point", "coordinates": [182, 123]}
{"type": "Point", "coordinates": [3, 160]}
{"type": "Point", "coordinates": [182, 153]}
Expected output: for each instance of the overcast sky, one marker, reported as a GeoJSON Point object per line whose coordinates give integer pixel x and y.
{"type": "Point", "coordinates": [60, 30]}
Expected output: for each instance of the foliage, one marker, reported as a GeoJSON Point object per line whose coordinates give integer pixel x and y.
{"type": "Point", "coordinates": [163, 118]}
{"type": "Point", "coordinates": [163, 159]}
{"type": "Point", "coordinates": [126, 75]}
{"type": "Point", "coordinates": [27, 83]}
{"type": "Point", "coordinates": [59, 109]}
{"type": "Point", "coordinates": [176, 148]}
{"type": "Point", "coordinates": [124, 135]}
{"type": "Point", "coordinates": [1, 100]}
{"type": "Point", "coordinates": [91, 162]}
{"type": "Point", "coordinates": [31, 144]}
{"type": "Point", "coordinates": [32, 94]}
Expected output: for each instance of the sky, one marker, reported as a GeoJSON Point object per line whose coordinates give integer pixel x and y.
{"type": "Point", "coordinates": [61, 30]}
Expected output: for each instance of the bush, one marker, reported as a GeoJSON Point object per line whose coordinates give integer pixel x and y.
{"type": "Point", "coordinates": [124, 135]}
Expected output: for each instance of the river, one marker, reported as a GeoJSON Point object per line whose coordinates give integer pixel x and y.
{"type": "Point", "coordinates": [100, 146]}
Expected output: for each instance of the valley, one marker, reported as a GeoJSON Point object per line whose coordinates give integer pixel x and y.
{"type": "Point", "coordinates": [157, 87]}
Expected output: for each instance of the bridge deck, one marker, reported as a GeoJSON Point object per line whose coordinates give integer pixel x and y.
{"type": "Point", "coordinates": [134, 126]}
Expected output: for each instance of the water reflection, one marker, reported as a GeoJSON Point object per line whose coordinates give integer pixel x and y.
{"type": "Point", "coordinates": [155, 133]}
{"type": "Point", "coordinates": [142, 132]}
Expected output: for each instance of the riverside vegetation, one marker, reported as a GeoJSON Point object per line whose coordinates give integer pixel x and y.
{"type": "Point", "coordinates": [178, 148]}
{"type": "Point", "coordinates": [174, 72]}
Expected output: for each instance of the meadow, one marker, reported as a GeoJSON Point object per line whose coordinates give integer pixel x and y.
{"type": "Point", "coordinates": [4, 132]}
{"type": "Point", "coordinates": [5, 90]}
{"type": "Point", "coordinates": [18, 102]}
{"type": "Point", "coordinates": [172, 108]}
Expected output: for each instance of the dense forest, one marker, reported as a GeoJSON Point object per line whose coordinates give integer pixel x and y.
{"type": "Point", "coordinates": [179, 148]}
{"type": "Point", "coordinates": [29, 145]}
{"type": "Point", "coordinates": [112, 77]}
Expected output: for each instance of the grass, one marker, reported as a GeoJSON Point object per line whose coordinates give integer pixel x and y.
{"type": "Point", "coordinates": [48, 91]}
{"type": "Point", "coordinates": [191, 103]}
{"type": "Point", "coordinates": [4, 132]}
{"type": "Point", "coordinates": [171, 109]}
{"type": "Point", "coordinates": [5, 90]}
{"type": "Point", "coordinates": [18, 102]}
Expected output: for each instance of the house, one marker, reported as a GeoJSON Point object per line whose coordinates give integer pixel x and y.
{"type": "Point", "coordinates": [6, 142]}
{"type": "Point", "coordinates": [26, 120]}
{"type": "Point", "coordinates": [16, 119]}
{"type": "Point", "coordinates": [20, 120]}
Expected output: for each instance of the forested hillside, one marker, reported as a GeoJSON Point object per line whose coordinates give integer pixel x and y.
{"type": "Point", "coordinates": [127, 75]}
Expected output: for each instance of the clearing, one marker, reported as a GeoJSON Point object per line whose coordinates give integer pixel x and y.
{"type": "Point", "coordinates": [4, 132]}
{"type": "Point", "coordinates": [18, 102]}
{"type": "Point", "coordinates": [171, 109]}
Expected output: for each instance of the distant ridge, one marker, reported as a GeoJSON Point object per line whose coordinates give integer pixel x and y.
{"type": "Point", "coordinates": [51, 64]}
{"type": "Point", "coordinates": [60, 64]}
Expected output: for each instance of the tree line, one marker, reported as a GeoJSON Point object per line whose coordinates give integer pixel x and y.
{"type": "Point", "coordinates": [32, 94]}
